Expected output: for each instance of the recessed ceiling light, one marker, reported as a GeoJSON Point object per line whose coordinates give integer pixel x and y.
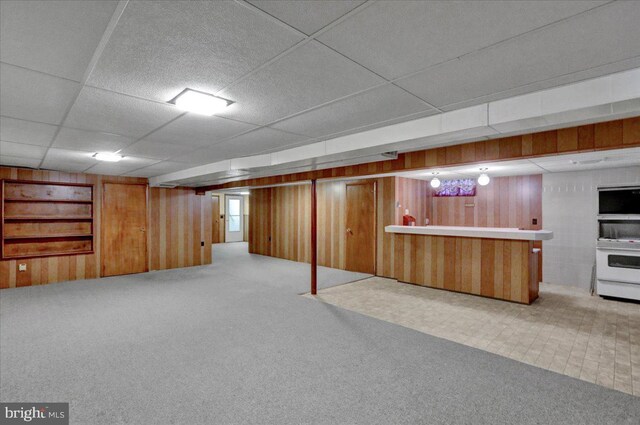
{"type": "Point", "coordinates": [107, 156]}
{"type": "Point", "coordinates": [199, 102]}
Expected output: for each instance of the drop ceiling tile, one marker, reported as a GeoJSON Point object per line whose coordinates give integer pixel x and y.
{"type": "Point", "coordinates": [259, 141]}
{"type": "Point", "coordinates": [68, 160]}
{"type": "Point", "coordinates": [191, 130]}
{"type": "Point", "coordinates": [104, 111]}
{"type": "Point", "coordinates": [90, 141]}
{"type": "Point", "coordinates": [74, 156]}
{"type": "Point", "coordinates": [159, 48]}
{"type": "Point", "coordinates": [156, 150]}
{"type": "Point", "coordinates": [14, 161]}
{"type": "Point", "coordinates": [22, 150]}
{"type": "Point", "coordinates": [34, 96]}
{"type": "Point", "coordinates": [575, 45]}
{"type": "Point", "coordinates": [395, 38]}
{"type": "Point", "coordinates": [159, 168]}
{"type": "Point", "coordinates": [201, 156]}
{"type": "Point", "coordinates": [56, 37]}
{"type": "Point", "coordinates": [307, 77]}
{"type": "Point", "coordinates": [29, 132]}
{"type": "Point", "coordinates": [127, 165]}
{"type": "Point", "coordinates": [306, 16]}
{"type": "Point", "coordinates": [380, 104]}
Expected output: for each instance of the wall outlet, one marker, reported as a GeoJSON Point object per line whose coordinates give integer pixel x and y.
{"type": "Point", "coordinates": [534, 221]}
{"type": "Point", "coordinates": [201, 243]}
{"type": "Point", "coordinates": [22, 267]}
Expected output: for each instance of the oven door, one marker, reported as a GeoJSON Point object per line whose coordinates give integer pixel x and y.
{"type": "Point", "coordinates": [618, 265]}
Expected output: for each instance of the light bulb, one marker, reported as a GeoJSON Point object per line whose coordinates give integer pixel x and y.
{"type": "Point", "coordinates": [483, 180]}
{"type": "Point", "coordinates": [435, 182]}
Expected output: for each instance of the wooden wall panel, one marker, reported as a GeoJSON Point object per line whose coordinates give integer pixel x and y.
{"type": "Point", "coordinates": [283, 213]}
{"type": "Point", "coordinates": [179, 221]}
{"type": "Point", "coordinates": [606, 135]}
{"type": "Point", "coordinates": [495, 268]}
{"type": "Point", "coordinates": [172, 213]}
{"type": "Point", "coordinates": [260, 222]}
{"type": "Point", "coordinates": [414, 195]}
{"type": "Point", "coordinates": [504, 202]}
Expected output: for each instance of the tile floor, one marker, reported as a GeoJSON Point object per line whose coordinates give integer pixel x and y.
{"type": "Point", "coordinates": [566, 330]}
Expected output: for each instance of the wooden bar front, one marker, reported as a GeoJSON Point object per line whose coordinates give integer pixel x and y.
{"type": "Point", "coordinates": [504, 269]}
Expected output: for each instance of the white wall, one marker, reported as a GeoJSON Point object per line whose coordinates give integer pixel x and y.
{"type": "Point", "coordinates": [569, 209]}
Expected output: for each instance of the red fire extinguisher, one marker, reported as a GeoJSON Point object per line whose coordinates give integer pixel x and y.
{"type": "Point", "coordinates": [407, 219]}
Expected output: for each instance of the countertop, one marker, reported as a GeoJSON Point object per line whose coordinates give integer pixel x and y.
{"type": "Point", "coordinates": [473, 232]}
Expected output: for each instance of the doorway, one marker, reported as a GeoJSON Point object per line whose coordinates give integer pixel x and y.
{"type": "Point", "coordinates": [361, 227]}
{"type": "Point", "coordinates": [215, 216]}
{"type": "Point", "coordinates": [124, 229]}
{"type": "Point", "coordinates": [234, 218]}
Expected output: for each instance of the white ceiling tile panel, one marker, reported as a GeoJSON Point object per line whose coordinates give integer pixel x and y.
{"type": "Point", "coordinates": [126, 165]}
{"type": "Point", "coordinates": [307, 77]}
{"type": "Point", "coordinates": [21, 150]}
{"type": "Point", "coordinates": [307, 16]}
{"type": "Point", "coordinates": [91, 141]}
{"type": "Point", "coordinates": [156, 150]}
{"type": "Point", "coordinates": [104, 111]}
{"type": "Point", "coordinates": [380, 104]}
{"type": "Point", "coordinates": [32, 133]}
{"type": "Point", "coordinates": [159, 168]}
{"type": "Point", "coordinates": [56, 37]}
{"type": "Point", "coordinates": [34, 96]}
{"type": "Point", "coordinates": [14, 161]}
{"type": "Point", "coordinates": [193, 130]}
{"type": "Point", "coordinates": [395, 38]}
{"type": "Point", "coordinates": [259, 141]}
{"type": "Point", "coordinates": [200, 156]}
{"type": "Point", "coordinates": [536, 57]}
{"type": "Point", "coordinates": [159, 48]}
{"type": "Point", "coordinates": [68, 160]}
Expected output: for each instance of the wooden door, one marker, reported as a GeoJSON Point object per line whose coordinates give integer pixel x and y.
{"type": "Point", "coordinates": [124, 227]}
{"type": "Point", "coordinates": [215, 228]}
{"type": "Point", "coordinates": [361, 227]}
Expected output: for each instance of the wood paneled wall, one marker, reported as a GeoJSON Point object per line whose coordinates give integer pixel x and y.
{"type": "Point", "coordinates": [414, 195]}
{"type": "Point", "coordinates": [179, 222]}
{"type": "Point", "coordinates": [280, 222]}
{"type": "Point", "coordinates": [283, 213]}
{"type": "Point", "coordinates": [616, 134]}
{"type": "Point", "coordinates": [495, 268]}
{"type": "Point", "coordinates": [172, 211]}
{"type": "Point", "coordinates": [504, 202]}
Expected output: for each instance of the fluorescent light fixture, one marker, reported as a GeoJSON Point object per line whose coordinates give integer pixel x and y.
{"type": "Point", "coordinates": [435, 182]}
{"type": "Point", "coordinates": [199, 102]}
{"type": "Point", "coordinates": [107, 156]}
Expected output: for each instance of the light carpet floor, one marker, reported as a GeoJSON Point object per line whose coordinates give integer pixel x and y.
{"type": "Point", "coordinates": [234, 343]}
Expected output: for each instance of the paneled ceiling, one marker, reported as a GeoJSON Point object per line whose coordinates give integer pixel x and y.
{"type": "Point", "coordinates": [81, 77]}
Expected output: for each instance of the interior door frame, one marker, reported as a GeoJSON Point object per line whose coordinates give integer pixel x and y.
{"type": "Point", "coordinates": [215, 215]}
{"type": "Point", "coordinates": [375, 217]}
{"type": "Point", "coordinates": [226, 216]}
{"type": "Point", "coordinates": [146, 219]}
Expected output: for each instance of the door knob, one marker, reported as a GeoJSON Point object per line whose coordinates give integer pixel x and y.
{"type": "Point", "coordinates": [349, 230]}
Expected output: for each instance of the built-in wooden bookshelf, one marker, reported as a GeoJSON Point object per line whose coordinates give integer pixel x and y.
{"type": "Point", "coordinates": [42, 219]}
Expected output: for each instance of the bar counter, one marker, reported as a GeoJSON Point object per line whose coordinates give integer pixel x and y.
{"type": "Point", "coordinates": [493, 262]}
